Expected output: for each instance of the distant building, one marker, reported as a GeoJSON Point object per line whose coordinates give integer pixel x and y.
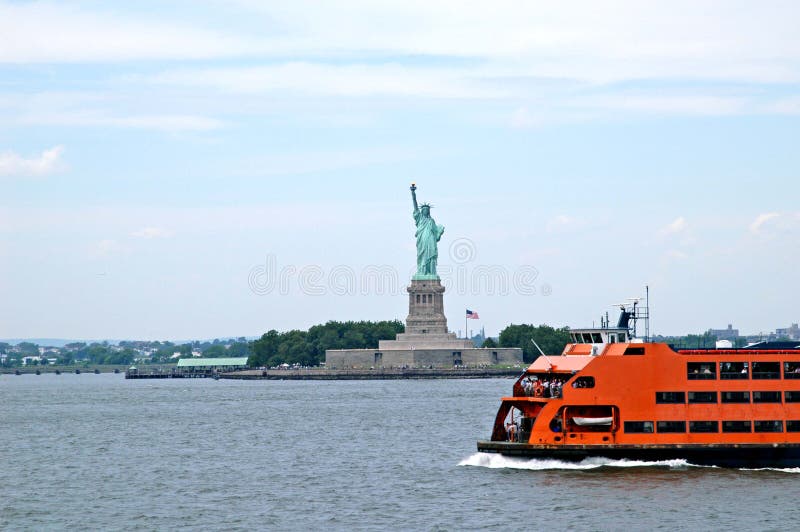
{"type": "Point", "coordinates": [725, 334]}
{"type": "Point", "coordinates": [792, 333]}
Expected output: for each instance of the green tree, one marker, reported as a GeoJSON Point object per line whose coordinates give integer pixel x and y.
{"type": "Point", "coordinates": [28, 348]}
{"type": "Point", "coordinates": [489, 343]}
{"type": "Point", "coordinates": [215, 351]}
{"type": "Point", "coordinates": [551, 340]}
{"type": "Point", "coordinates": [264, 349]}
{"type": "Point", "coordinates": [124, 356]}
{"type": "Point", "coordinates": [308, 347]}
{"type": "Point", "coordinates": [239, 349]}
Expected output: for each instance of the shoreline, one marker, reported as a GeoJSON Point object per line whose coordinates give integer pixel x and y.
{"type": "Point", "coordinates": [371, 374]}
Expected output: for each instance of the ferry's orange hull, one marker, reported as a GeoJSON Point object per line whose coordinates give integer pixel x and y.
{"type": "Point", "coordinates": [722, 407]}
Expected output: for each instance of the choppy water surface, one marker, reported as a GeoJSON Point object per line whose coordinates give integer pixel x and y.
{"type": "Point", "coordinates": [100, 452]}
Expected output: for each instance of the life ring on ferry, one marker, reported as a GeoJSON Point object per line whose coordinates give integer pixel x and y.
{"type": "Point", "coordinates": [538, 391]}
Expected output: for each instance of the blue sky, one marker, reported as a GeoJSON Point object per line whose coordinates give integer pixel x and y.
{"type": "Point", "coordinates": [156, 158]}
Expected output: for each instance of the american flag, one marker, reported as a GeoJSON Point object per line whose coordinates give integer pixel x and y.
{"type": "Point", "coordinates": [471, 315]}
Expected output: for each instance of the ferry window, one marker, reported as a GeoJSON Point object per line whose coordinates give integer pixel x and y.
{"type": "Point", "coordinates": [634, 351]}
{"type": "Point", "coordinates": [768, 426]}
{"type": "Point", "coordinates": [733, 370]}
{"type": "Point", "coordinates": [671, 426]}
{"type": "Point", "coordinates": [704, 426]}
{"type": "Point", "coordinates": [791, 397]}
{"type": "Point", "coordinates": [583, 382]}
{"type": "Point", "coordinates": [791, 370]}
{"type": "Point", "coordinates": [576, 338]}
{"type": "Point", "coordinates": [735, 397]}
{"type": "Point", "coordinates": [596, 338]}
{"type": "Point", "coordinates": [766, 397]}
{"type": "Point", "coordinates": [587, 338]}
{"type": "Point", "coordinates": [621, 337]}
{"type": "Point", "coordinates": [702, 397]}
{"type": "Point", "coordinates": [670, 397]}
{"type": "Point", "coordinates": [639, 427]}
{"type": "Point", "coordinates": [701, 370]}
{"type": "Point", "coordinates": [766, 370]}
{"type": "Point", "coordinates": [793, 425]}
{"type": "Point", "coordinates": [736, 426]}
{"type": "Point", "coordinates": [612, 338]}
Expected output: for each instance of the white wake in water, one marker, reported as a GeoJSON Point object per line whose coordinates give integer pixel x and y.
{"type": "Point", "coordinates": [780, 469]}
{"type": "Point", "coordinates": [498, 461]}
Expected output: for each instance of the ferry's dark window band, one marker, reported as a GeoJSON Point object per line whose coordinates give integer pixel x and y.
{"type": "Point", "coordinates": [791, 370]}
{"type": "Point", "coordinates": [702, 397]}
{"type": "Point", "coordinates": [670, 397]}
{"type": "Point", "coordinates": [772, 425]}
{"type": "Point", "coordinates": [634, 351]}
{"type": "Point", "coordinates": [735, 397]}
{"type": "Point", "coordinates": [671, 426]}
{"type": "Point", "coordinates": [701, 370]}
{"type": "Point", "coordinates": [583, 382]}
{"type": "Point", "coordinates": [736, 426]}
{"type": "Point", "coordinates": [726, 397]}
{"type": "Point", "coordinates": [766, 370]}
{"type": "Point", "coordinates": [766, 397]}
{"type": "Point", "coordinates": [639, 427]}
{"type": "Point", "coordinates": [768, 426]}
{"type": "Point", "coordinates": [733, 370]}
{"type": "Point", "coordinates": [741, 370]}
{"type": "Point", "coordinates": [792, 397]}
{"type": "Point", "coordinates": [704, 426]}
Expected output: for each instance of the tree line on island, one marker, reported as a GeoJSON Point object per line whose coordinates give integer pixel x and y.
{"type": "Point", "coordinates": [301, 347]}
{"type": "Point", "coordinates": [307, 348]}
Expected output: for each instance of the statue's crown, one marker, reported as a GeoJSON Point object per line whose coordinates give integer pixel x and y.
{"type": "Point", "coordinates": [428, 205]}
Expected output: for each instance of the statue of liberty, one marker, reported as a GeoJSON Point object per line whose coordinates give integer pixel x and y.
{"type": "Point", "coordinates": [428, 236]}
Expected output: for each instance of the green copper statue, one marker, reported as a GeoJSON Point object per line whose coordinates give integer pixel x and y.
{"type": "Point", "coordinates": [428, 235]}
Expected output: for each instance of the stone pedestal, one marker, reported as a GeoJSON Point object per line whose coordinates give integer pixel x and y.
{"type": "Point", "coordinates": [426, 324]}
{"type": "Point", "coordinates": [426, 342]}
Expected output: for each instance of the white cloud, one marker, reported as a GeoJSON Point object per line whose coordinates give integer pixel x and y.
{"type": "Point", "coordinates": [584, 40]}
{"type": "Point", "coordinates": [760, 220]}
{"type": "Point", "coordinates": [93, 118]}
{"type": "Point", "coordinates": [47, 32]}
{"type": "Point", "coordinates": [151, 232]}
{"type": "Point", "coordinates": [784, 106]}
{"type": "Point", "coordinates": [47, 162]}
{"type": "Point", "coordinates": [577, 40]}
{"type": "Point", "coordinates": [697, 104]}
{"type": "Point", "coordinates": [362, 80]}
{"type": "Point", "coordinates": [678, 225]}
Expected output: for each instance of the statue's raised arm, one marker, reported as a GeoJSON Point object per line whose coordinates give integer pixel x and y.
{"type": "Point", "coordinates": [414, 196]}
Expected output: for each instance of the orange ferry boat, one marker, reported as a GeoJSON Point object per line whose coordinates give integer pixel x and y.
{"type": "Point", "coordinates": [613, 395]}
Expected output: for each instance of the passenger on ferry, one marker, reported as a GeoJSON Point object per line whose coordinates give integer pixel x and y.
{"type": "Point", "coordinates": [511, 429]}
{"type": "Point", "coordinates": [527, 386]}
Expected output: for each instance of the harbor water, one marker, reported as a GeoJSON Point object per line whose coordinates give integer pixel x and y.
{"type": "Point", "coordinates": [99, 452]}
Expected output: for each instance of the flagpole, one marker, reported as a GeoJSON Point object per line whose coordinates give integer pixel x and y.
{"type": "Point", "coordinates": [466, 334]}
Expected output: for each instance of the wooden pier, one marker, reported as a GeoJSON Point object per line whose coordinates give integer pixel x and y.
{"type": "Point", "coordinates": [172, 373]}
